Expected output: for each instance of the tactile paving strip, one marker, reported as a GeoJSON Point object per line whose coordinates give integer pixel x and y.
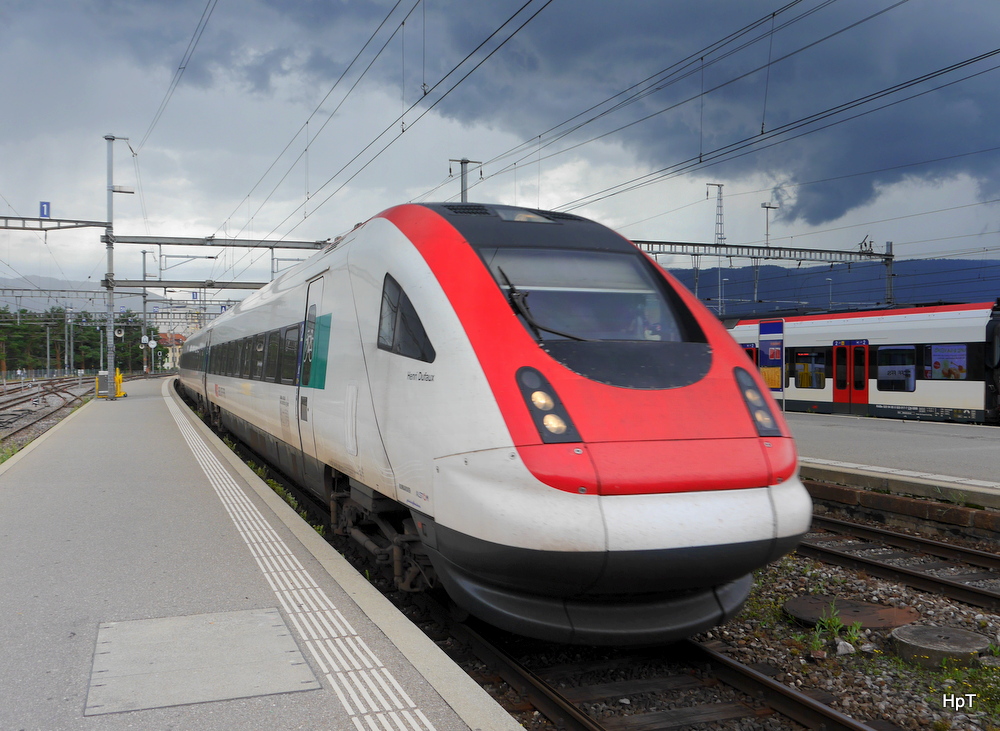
{"type": "Point", "coordinates": [367, 689]}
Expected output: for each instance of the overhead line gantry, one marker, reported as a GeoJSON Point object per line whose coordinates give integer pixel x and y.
{"type": "Point", "coordinates": [756, 253]}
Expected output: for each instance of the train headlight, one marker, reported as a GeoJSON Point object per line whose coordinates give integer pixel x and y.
{"type": "Point", "coordinates": [764, 419]}
{"type": "Point", "coordinates": [547, 412]}
{"type": "Point", "coordinates": [760, 412]}
{"type": "Point", "coordinates": [554, 424]}
{"type": "Point", "coordinates": [542, 401]}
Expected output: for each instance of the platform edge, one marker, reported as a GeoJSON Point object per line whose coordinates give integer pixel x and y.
{"type": "Point", "coordinates": [469, 701]}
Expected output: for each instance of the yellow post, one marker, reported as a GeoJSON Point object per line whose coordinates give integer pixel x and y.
{"type": "Point", "coordinates": [118, 384]}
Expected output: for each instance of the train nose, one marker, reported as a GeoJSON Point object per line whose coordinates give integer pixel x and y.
{"type": "Point", "coordinates": [662, 466]}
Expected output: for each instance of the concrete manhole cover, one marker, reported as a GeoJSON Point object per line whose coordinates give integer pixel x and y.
{"type": "Point", "coordinates": [810, 609]}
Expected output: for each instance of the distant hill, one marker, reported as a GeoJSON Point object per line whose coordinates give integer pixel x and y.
{"type": "Point", "coordinates": [844, 286]}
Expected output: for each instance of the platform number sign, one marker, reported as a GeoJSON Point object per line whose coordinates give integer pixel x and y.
{"type": "Point", "coordinates": [772, 353]}
{"type": "Point", "coordinates": [44, 209]}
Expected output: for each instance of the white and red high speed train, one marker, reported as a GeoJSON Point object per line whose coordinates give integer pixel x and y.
{"type": "Point", "coordinates": [522, 407]}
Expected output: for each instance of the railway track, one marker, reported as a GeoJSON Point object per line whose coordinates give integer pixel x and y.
{"type": "Point", "coordinates": [14, 422]}
{"type": "Point", "coordinates": [674, 687]}
{"type": "Point", "coordinates": [959, 573]}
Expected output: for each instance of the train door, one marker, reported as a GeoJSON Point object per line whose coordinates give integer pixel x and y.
{"type": "Point", "coordinates": [206, 364]}
{"type": "Point", "coordinates": [850, 377]}
{"type": "Point", "coordinates": [992, 372]}
{"type": "Point", "coordinates": [315, 339]}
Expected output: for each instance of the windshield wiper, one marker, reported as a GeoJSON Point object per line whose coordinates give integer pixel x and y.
{"type": "Point", "coordinates": [519, 303]}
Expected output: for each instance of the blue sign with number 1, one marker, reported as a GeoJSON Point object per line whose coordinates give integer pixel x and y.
{"type": "Point", "coordinates": [44, 209]}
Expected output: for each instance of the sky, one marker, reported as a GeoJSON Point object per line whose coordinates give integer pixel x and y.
{"type": "Point", "coordinates": [861, 120]}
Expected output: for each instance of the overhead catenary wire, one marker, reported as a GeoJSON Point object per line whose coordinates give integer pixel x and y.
{"type": "Point", "coordinates": [316, 111]}
{"type": "Point", "coordinates": [679, 71]}
{"type": "Point", "coordinates": [437, 101]}
{"type": "Point", "coordinates": [185, 59]}
{"type": "Point", "coordinates": [728, 152]}
{"type": "Point", "coordinates": [423, 112]}
{"type": "Point", "coordinates": [534, 141]}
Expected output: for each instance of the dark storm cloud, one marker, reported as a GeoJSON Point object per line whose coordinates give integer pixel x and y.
{"type": "Point", "coordinates": [578, 53]}
{"type": "Point", "coordinates": [574, 55]}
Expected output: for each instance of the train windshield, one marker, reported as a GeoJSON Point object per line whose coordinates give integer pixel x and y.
{"type": "Point", "coordinates": [585, 295]}
{"type": "Point", "coordinates": [605, 315]}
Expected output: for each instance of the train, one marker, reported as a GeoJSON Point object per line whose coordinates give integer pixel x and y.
{"type": "Point", "coordinates": [937, 362]}
{"type": "Point", "coordinates": [520, 407]}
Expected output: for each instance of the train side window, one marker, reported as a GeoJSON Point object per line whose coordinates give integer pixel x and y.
{"type": "Point", "coordinates": [247, 357]}
{"type": "Point", "coordinates": [399, 328]}
{"type": "Point", "coordinates": [897, 368]}
{"type": "Point", "coordinates": [272, 351]}
{"type": "Point", "coordinates": [950, 362]}
{"type": "Point", "coordinates": [290, 355]}
{"type": "Point", "coordinates": [257, 358]}
{"type": "Point", "coordinates": [810, 369]}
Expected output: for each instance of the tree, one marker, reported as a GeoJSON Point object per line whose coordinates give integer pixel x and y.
{"type": "Point", "coordinates": [24, 340]}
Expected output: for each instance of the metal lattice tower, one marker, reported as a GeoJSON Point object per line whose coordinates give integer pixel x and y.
{"type": "Point", "coordinates": [720, 239]}
{"type": "Point", "coordinates": [720, 236]}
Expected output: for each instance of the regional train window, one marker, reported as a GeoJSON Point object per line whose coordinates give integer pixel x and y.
{"type": "Point", "coordinates": [809, 369]}
{"type": "Point", "coordinates": [273, 350]}
{"type": "Point", "coordinates": [860, 369]}
{"type": "Point", "coordinates": [400, 330]}
{"type": "Point", "coordinates": [290, 355]}
{"type": "Point", "coordinates": [840, 368]}
{"type": "Point", "coordinates": [587, 295]}
{"type": "Point", "coordinates": [897, 368]}
{"type": "Point", "coordinates": [949, 362]}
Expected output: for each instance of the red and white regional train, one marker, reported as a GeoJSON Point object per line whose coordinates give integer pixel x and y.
{"type": "Point", "coordinates": [937, 362]}
{"type": "Point", "coordinates": [522, 407]}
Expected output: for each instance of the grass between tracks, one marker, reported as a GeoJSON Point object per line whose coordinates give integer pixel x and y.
{"type": "Point", "coordinates": [810, 654]}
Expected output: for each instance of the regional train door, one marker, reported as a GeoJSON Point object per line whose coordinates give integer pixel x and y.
{"type": "Point", "coordinates": [850, 377]}
{"type": "Point", "coordinates": [312, 376]}
{"type": "Point", "coordinates": [993, 367]}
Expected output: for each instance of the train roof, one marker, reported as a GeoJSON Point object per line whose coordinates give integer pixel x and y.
{"type": "Point", "coordinates": [883, 312]}
{"type": "Point", "coordinates": [492, 225]}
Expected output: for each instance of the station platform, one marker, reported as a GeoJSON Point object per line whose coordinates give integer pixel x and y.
{"type": "Point", "coordinates": [938, 460]}
{"type": "Point", "coordinates": [150, 580]}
